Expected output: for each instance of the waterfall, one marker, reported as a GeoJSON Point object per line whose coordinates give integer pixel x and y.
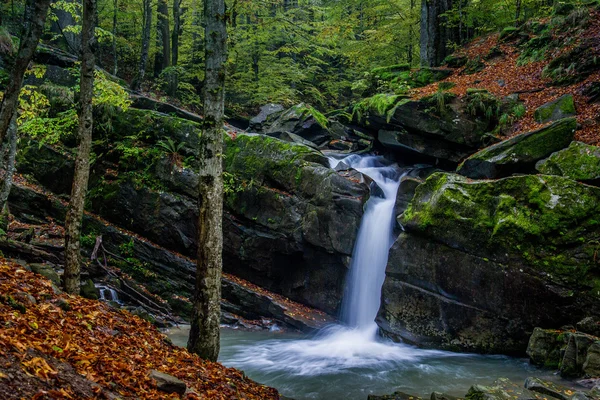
{"type": "Point", "coordinates": [108, 294]}
{"type": "Point", "coordinates": [374, 239]}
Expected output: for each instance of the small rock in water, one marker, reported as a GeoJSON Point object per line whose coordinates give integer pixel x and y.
{"type": "Point", "coordinates": [168, 383]}
{"type": "Point", "coordinates": [540, 386]}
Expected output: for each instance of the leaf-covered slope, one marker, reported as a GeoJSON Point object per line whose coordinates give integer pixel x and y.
{"type": "Point", "coordinates": [113, 350]}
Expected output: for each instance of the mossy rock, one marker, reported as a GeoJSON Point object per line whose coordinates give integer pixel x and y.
{"type": "Point", "coordinates": [509, 33]}
{"type": "Point", "coordinates": [563, 8]}
{"type": "Point", "coordinates": [544, 348]}
{"type": "Point", "coordinates": [473, 66]}
{"type": "Point", "coordinates": [563, 107]}
{"type": "Point", "coordinates": [547, 223]}
{"type": "Point", "coordinates": [456, 61]}
{"type": "Point", "coordinates": [46, 271]}
{"type": "Point", "coordinates": [520, 153]}
{"type": "Point", "coordinates": [89, 291]}
{"type": "Point", "coordinates": [579, 161]}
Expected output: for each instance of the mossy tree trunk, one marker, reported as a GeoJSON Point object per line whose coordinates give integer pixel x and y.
{"type": "Point", "coordinates": [163, 40]}
{"type": "Point", "coordinates": [177, 30]}
{"type": "Point", "coordinates": [35, 19]}
{"type": "Point", "coordinates": [82, 162]}
{"type": "Point", "coordinates": [204, 334]}
{"type": "Point", "coordinates": [9, 170]}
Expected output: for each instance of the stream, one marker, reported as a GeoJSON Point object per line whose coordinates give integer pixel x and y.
{"type": "Point", "coordinates": [350, 361]}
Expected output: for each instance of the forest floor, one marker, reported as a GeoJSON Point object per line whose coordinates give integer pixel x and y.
{"type": "Point", "coordinates": [504, 75]}
{"type": "Point", "coordinates": [57, 346]}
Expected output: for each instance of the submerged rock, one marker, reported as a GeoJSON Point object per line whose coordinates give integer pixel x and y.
{"type": "Point", "coordinates": [519, 153]}
{"type": "Point", "coordinates": [484, 262]}
{"type": "Point", "coordinates": [579, 161]}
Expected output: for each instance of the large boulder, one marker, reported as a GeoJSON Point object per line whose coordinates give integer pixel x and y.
{"type": "Point", "coordinates": [519, 153]}
{"type": "Point", "coordinates": [300, 119]}
{"type": "Point", "coordinates": [481, 263]}
{"type": "Point", "coordinates": [290, 221]}
{"type": "Point", "coordinates": [579, 161]}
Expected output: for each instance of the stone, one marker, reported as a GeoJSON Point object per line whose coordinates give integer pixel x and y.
{"type": "Point", "coordinates": [590, 325]}
{"type": "Point", "coordinates": [575, 354]}
{"type": "Point", "coordinates": [394, 396]}
{"type": "Point", "coordinates": [266, 111]}
{"type": "Point", "coordinates": [591, 366]}
{"type": "Point", "coordinates": [501, 389]}
{"type": "Point", "coordinates": [544, 348]}
{"type": "Point", "coordinates": [480, 264]}
{"type": "Point", "coordinates": [89, 291]}
{"type": "Point", "coordinates": [168, 383]}
{"type": "Point", "coordinates": [563, 107]}
{"type": "Point", "coordinates": [300, 120]}
{"type": "Point", "coordinates": [546, 388]}
{"type": "Point", "coordinates": [404, 142]}
{"type": "Point", "coordinates": [579, 161]}
{"type": "Point", "coordinates": [442, 396]}
{"type": "Point", "coordinates": [519, 153]}
{"type": "Point", "coordinates": [46, 271]}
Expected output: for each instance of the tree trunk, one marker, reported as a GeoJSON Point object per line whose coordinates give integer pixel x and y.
{"type": "Point", "coordinates": [435, 35]}
{"type": "Point", "coordinates": [147, 26]}
{"type": "Point", "coordinates": [204, 333]}
{"type": "Point", "coordinates": [163, 43]}
{"type": "Point", "coordinates": [9, 170]}
{"type": "Point", "coordinates": [518, 13]}
{"type": "Point", "coordinates": [177, 29]}
{"type": "Point", "coordinates": [114, 39]}
{"type": "Point", "coordinates": [35, 18]}
{"type": "Point", "coordinates": [82, 162]}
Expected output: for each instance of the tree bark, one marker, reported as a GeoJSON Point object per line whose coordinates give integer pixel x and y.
{"type": "Point", "coordinates": [163, 42]}
{"type": "Point", "coordinates": [9, 170]}
{"type": "Point", "coordinates": [177, 29]}
{"type": "Point", "coordinates": [114, 39]}
{"type": "Point", "coordinates": [35, 18]}
{"type": "Point", "coordinates": [82, 162]}
{"type": "Point", "coordinates": [435, 35]}
{"type": "Point", "coordinates": [137, 82]}
{"type": "Point", "coordinates": [204, 333]}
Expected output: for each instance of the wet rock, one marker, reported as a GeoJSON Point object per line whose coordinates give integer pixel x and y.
{"type": "Point", "coordinates": [299, 120]}
{"type": "Point", "coordinates": [545, 347]}
{"type": "Point", "coordinates": [575, 354]}
{"type": "Point", "coordinates": [591, 366]}
{"type": "Point", "coordinates": [168, 383]}
{"type": "Point", "coordinates": [394, 396]}
{"type": "Point", "coordinates": [89, 291]}
{"type": "Point", "coordinates": [476, 268]}
{"type": "Point", "coordinates": [404, 142]}
{"type": "Point", "coordinates": [579, 161]}
{"type": "Point", "coordinates": [545, 388]}
{"type": "Point", "coordinates": [519, 153]}
{"type": "Point", "coordinates": [563, 107]}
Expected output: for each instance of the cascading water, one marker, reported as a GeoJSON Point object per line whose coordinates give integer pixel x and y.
{"type": "Point", "coordinates": [350, 361]}
{"type": "Point", "coordinates": [374, 239]}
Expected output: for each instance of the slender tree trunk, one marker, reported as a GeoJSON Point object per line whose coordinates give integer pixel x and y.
{"type": "Point", "coordinates": [204, 333]}
{"type": "Point", "coordinates": [137, 82]}
{"type": "Point", "coordinates": [114, 41]}
{"type": "Point", "coordinates": [518, 13]}
{"type": "Point", "coordinates": [10, 162]}
{"type": "Point", "coordinates": [163, 43]}
{"type": "Point", "coordinates": [176, 32]}
{"type": "Point", "coordinates": [35, 18]}
{"type": "Point", "coordinates": [82, 162]}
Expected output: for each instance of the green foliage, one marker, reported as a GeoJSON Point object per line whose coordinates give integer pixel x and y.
{"type": "Point", "coordinates": [483, 104]}
{"type": "Point", "coordinates": [381, 104]}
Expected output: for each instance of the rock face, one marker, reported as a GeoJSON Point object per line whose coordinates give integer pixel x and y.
{"type": "Point", "coordinates": [290, 220]}
{"type": "Point", "coordinates": [563, 107]}
{"type": "Point", "coordinates": [482, 263]}
{"type": "Point", "coordinates": [299, 120]}
{"type": "Point", "coordinates": [580, 162]}
{"type": "Point", "coordinates": [575, 354]}
{"type": "Point", "coordinates": [520, 153]}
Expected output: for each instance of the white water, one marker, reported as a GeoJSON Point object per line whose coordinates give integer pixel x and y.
{"type": "Point", "coordinates": [350, 361]}
{"type": "Point", "coordinates": [108, 294]}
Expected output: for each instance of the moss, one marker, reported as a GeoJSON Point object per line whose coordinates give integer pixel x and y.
{"type": "Point", "coordinates": [508, 33]}
{"type": "Point", "coordinates": [579, 162]}
{"type": "Point", "coordinates": [473, 66]}
{"type": "Point", "coordinates": [455, 61]}
{"type": "Point", "coordinates": [560, 108]}
{"type": "Point", "coordinates": [538, 219]}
